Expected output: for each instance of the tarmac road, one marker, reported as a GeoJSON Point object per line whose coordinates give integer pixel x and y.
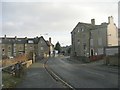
{"type": "Point", "coordinates": [85, 75]}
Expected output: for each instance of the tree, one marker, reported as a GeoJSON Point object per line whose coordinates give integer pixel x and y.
{"type": "Point", "coordinates": [58, 47]}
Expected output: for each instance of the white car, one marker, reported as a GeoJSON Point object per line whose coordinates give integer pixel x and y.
{"type": "Point", "coordinates": [11, 57]}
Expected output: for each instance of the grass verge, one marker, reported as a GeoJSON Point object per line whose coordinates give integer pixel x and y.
{"type": "Point", "coordinates": [10, 81]}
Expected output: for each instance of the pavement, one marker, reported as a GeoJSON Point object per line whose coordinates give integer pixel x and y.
{"type": "Point", "coordinates": [37, 77]}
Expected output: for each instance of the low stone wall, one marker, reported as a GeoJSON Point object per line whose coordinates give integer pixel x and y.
{"type": "Point", "coordinates": [81, 58]}
{"type": "Point", "coordinates": [8, 62]}
{"type": "Point", "coordinates": [28, 63]}
{"type": "Point", "coordinates": [112, 60]}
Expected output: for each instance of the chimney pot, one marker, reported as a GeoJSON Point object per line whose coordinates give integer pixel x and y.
{"type": "Point", "coordinates": [110, 19]}
{"type": "Point", "coordinates": [93, 21]}
{"type": "Point", "coordinates": [50, 39]}
{"type": "Point", "coordinates": [5, 36]}
{"type": "Point", "coordinates": [15, 37]}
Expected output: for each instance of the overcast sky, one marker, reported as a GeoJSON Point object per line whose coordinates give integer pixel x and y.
{"type": "Point", "coordinates": [57, 18]}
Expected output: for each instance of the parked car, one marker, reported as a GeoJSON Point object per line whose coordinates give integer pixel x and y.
{"type": "Point", "coordinates": [11, 57]}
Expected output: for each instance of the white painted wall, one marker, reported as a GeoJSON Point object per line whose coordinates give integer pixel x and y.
{"type": "Point", "coordinates": [112, 33]}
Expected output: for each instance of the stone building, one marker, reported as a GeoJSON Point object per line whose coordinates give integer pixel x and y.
{"type": "Point", "coordinates": [65, 50]}
{"type": "Point", "coordinates": [12, 47]}
{"type": "Point", "coordinates": [119, 36]}
{"type": "Point", "coordinates": [43, 49]}
{"type": "Point", "coordinates": [89, 39]}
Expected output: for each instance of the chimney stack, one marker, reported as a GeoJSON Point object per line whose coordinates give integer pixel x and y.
{"type": "Point", "coordinates": [25, 38]}
{"type": "Point", "coordinates": [50, 39]}
{"type": "Point", "coordinates": [93, 21]}
{"type": "Point", "coordinates": [5, 36]}
{"type": "Point", "coordinates": [110, 19]}
{"type": "Point", "coordinates": [15, 37]}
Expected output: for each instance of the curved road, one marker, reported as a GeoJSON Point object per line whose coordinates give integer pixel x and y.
{"type": "Point", "coordinates": [89, 75]}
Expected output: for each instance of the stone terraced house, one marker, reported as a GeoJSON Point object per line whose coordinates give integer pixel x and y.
{"type": "Point", "coordinates": [12, 47]}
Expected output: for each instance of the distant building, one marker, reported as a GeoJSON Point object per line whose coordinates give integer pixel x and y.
{"type": "Point", "coordinates": [45, 48]}
{"type": "Point", "coordinates": [16, 46]}
{"type": "Point", "coordinates": [89, 39]}
{"type": "Point", "coordinates": [66, 50]}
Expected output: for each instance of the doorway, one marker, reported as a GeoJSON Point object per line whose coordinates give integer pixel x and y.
{"type": "Point", "coordinates": [92, 52]}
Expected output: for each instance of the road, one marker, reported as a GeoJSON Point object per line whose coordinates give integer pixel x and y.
{"type": "Point", "coordinates": [81, 75]}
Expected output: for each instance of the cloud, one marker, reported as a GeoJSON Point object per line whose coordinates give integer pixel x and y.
{"type": "Point", "coordinates": [57, 19]}
{"type": "Point", "coordinates": [119, 14]}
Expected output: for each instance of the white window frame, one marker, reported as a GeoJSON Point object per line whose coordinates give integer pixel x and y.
{"type": "Point", "coordinates": [41, 48]}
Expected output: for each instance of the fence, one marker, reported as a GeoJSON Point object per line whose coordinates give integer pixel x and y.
{"type": "Point", "coordinates": [18, 69]}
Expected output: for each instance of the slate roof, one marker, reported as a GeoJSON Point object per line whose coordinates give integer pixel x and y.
{"type": "Point", "coordinates": [13, 40]}
{"type": "Point", "coordinates": [9, 40]}
{"type": "Point", "coordinates": [90, 26]}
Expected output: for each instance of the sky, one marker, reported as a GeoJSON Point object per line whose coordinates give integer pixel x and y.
{"type": "Point", "coordinates": [52, 18]}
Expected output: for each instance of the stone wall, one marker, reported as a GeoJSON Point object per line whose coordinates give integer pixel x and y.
{"type": "Point", "coordinates": [28, 63]}
{"type": "Point", "coordinates": [112, 60]}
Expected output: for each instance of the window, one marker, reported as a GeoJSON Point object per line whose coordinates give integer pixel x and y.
{"type": "Point", "coordinates": [41, 48]}
{"type": "Point", "coordinates": [8, 48]}
{"type": "Point", "coordinates": [19, 40]}
{"type": "Point", "coordinates": [109, 34]}
{"type": "Point", "coordinates": [84, 46]}
{"type": "Point", "coordinates": [14, 54]}
{"type": "Point", "coordinates": [109, 44]}
{"type": "Point", "coordinates": [9, 53]}
{"type": "Point", "coordinates": [14, 49]}
{"type": "Point", "coordinates": [31, 47]}
{"type": "Point", "coordinates": [78, 41]}
{"type": "Point", "coordinates": [82, 29]}
{"type": "Point", "coordinates": [30, 41]}
{"type": "Point", "coordinates": [14, 44]}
